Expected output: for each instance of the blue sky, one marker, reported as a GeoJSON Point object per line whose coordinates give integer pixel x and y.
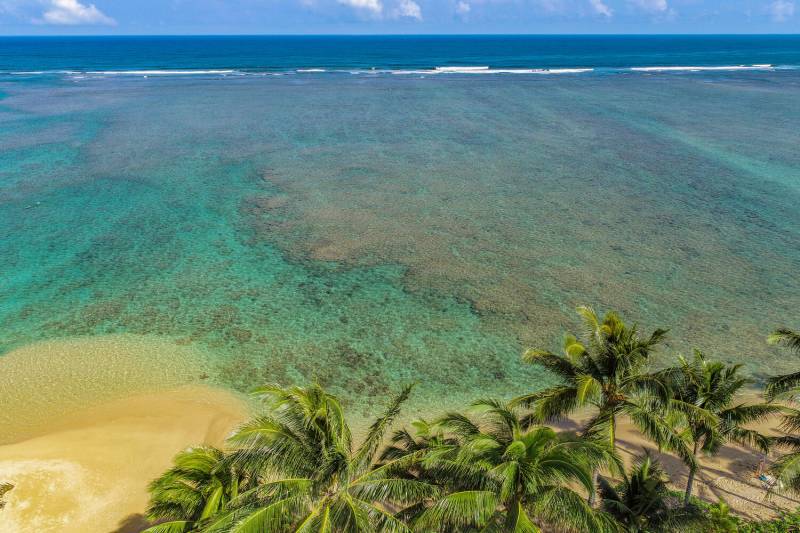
{"type": "Point", "coordinates": [63, 17]}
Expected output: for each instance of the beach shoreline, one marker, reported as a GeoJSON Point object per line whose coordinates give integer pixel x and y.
{"type": "Point", "coordinates": [92, 473]}
{"type": "Point", "coordinates": [88, 422]}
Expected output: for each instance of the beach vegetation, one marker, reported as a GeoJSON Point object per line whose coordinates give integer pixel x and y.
{"type": "Point", "coordinates": [498, 472]}
{"type": "Point", "coordinates": [607, 373]}
{"type": "Point", "coordinates": [309, 476]}
{"type": "Point", "coordinates": [786, 387]}
{"type": "Point", "coordinates": [496, 466]}
{"type": "Point", "coordinates": [707, 394]}
{"type": "Point", "coordinates": [198, 487]}
{"type": "Point", "coordinates": [641, 501]}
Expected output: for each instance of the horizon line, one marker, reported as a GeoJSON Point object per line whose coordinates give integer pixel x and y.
{"type": "Point", "coordinates": [370, 34]}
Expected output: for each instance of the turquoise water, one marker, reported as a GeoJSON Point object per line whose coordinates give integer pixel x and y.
{"type": "Point", "coordinates": [370, 230]}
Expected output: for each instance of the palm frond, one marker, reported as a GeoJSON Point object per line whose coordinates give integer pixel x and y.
{"type": "Point", "coordinates": [393, 490]}
{"type": "Point", "coordinates": [365, 454]}
{"type": "Point", "coordinates": [655, 428]}
{"type": "Point", "coordinates": [791, 421]}
{"type": "Point", "coordinates": [459, 510]}
{"type": "Point", "coordinates": [557, 364]}
{"type": "Point", "coordinates": [749, 437]}
{"type": "Point", "coordinates": [785, 337]}
{"type": "Point", "coordinates": [787, 469]}
{"type": "Point", "coordinates": [272, 517]}
{"type": "Point", "coordinates": [742, 414]}
{"type": "Point", "coordinates": [381, 520]}
{"type": "Point", "coordinates": [779, 385]}
{"type": "Point", "coordinates": [174, 526]}
{"type": "Point", "coordinates": [559, 505]}
{"type": "Point", "coordinates": [519, 522]}
{"type": "Point", "coordinates": [459, 424]}
{"type": "Point", "coordinates": [550, 404]}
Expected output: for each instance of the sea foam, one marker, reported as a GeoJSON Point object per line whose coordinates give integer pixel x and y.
{"type": "Point", "coordinates": [702, 68]}
{"type": "Point", "coordinates": [159, 72]}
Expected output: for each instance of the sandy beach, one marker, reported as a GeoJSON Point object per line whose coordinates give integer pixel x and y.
{"type": "Point", "coordinates": [90, 422]}
{"type": "Point", "coordinates": [92, 474]}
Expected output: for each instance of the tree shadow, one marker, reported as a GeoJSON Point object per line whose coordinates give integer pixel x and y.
{"type": "Point", "coordinates": [134, 523]}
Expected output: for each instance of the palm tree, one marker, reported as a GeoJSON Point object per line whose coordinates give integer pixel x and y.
{"type": "Point", "coordinates": [641, 501]}
{"type": "Point", "coordinates": [502, 474]}
{"type": "Point", "coordinates": [309, 475]}
{"type": "Point", "coordinates": [607, 372]}
{"type": "Point", "coordinates": [197, 487]}
{"type": "Point", "coordinates": [786, 386]}
{"type": "Point", "coordinates": [425, 437]}
{"type": "Point", "coordinates": [705, 392]}
{"type": "Point", "coordinates": [786, 383]}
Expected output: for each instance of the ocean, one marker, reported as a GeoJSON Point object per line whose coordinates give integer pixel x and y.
{"type": "Point", "coordinates": [372, 211]}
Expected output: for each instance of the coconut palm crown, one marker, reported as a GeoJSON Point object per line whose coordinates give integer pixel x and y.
{"type": "Point", "coordinates": [787, 468]}
{"type": "Point", "coordinates": [506, 475]}
{"type": "Point", "coordinates": [607, 372]}
{"type": "Point", "coordinates": [198, 486]}
{"type": "Point", "coordinates": [705, 392]}
{"type": "Point", "coordinates": [310, 476]}
{"type": "Point", "coordinates": [640, 502]}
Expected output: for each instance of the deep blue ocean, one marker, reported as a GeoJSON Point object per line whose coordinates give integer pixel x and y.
{"type": "Point", "coordinates": [371, 211]}
{"type": "Point", "coordinates": [285, 53]}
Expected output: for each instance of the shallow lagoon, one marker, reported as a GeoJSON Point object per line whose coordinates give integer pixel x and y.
{"type": "Point", "coordinates": [371, 230]}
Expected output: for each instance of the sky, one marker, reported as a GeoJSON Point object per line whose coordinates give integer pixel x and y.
{"type": "Point", "coordinates": [139, 17]}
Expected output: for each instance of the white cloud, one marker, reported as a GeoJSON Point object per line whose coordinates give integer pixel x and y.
{"type": "Point", "coordinates": [72, 12]}
{"type": "Point", "coordinates": [601, 8]}
{"type": "Point", "coordinates": [781, 10]}
{"type": "Point", "coordinates": [654, 6]}
{"type": "Point", "coordinates": [463, 8]}
{"type": "Point", "coordinates": [551, 6]}
{"type": "Point", "coordinates": [408, 9]}
{"type": "Point", "coordinates": [372, 6]}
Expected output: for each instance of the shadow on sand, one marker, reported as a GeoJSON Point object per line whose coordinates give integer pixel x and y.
{"type": "Point", "coordinates": [132, 524]}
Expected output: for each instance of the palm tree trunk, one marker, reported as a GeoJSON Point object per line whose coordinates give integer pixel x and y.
{"type": "Point", "coordinates": [690, 480]}
{"type": "Point", "coordinates": [593, 493]}
{"type": "Point", "coordinates": [613, 432]}
{"type": "Point", "coordinates": [689, 484]}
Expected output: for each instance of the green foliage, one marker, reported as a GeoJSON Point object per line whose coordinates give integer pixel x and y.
{"type": "Point", "coordinates": [641, 500]}
{"type": "Point", "coordinates": [787, 468]}
{"type": "Point", "coordinates": [197, 487]}
{"type": "Point", "coordinates": [785, 523]}
{"type": "Point", "coordinates": [493, 468]}
{"type": "Point", "coordinates": [309, 476]}
{"type": "Point", "coordinates": [502, 474]}
{"type": "Point", "coordinates": [705, 393]}
{"type": "Point", "coordinates": [607, 371]}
